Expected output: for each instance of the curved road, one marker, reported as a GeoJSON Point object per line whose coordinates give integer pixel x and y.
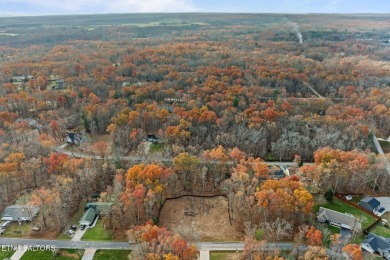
{"type": "Point", "coordinates": [313, 90]}
{"type": "Point", "coordinates": [61, 149]}
{"type": "Point", "coordinates": [380, 151]}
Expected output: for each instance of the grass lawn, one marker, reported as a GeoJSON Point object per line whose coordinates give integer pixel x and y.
{"type": "Point", "coordinates": [215, 255]}
{"type": "Point", "coordinates": [111, 255]}
{"type": "Point", "coordinates": [97, 233]}
{"type": "Point", "coordinates": [381, 231]}
{"type": "Point", "coordinates": [156, 147]}
{"type": "Point", "coordinates": [62, 254]}
{"type": "Point", "coordinates": [333, 230]}
{"type": "Point", "coordinates": [38, 255]}
{"type": "Point", "coordinates": [340, 206]}
{"type": "Point", "coordinates": [358, 239]}
{"type": "Point", "coordinates": [356, 199]}
{"type": "Point", "coordinates": [63, 236]}
{"type": "Point", "coordinates": [387, 217]}
{"type": "Point", "coordinates": [65, 254]}
{"type": "Point", "coordinates": [17, 231]}
{"type": "Point", "coordinates": [6, 254]}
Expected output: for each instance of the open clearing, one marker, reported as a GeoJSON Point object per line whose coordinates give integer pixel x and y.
{"type": "Point", "coordinates": [196, 218]}
{"type": "Point", "coordinates": [225, 255]}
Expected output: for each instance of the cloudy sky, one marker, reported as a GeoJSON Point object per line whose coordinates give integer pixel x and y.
{"type": "Point", "coordinates": [44, 7]}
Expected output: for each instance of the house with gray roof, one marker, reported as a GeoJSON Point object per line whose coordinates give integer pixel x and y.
{"type": "Point", "coordinates": [89, 217]}
{"type": "Point", "coordinates": [338, 219]}
{"type": "Point", "coordinates": [19, 213]}
{"type": "Point", "coordinates": [370, 203]}
{"type": "Point", "coordinates": [377, 244]}
{"type": "Point", "coordinates": [102, 208]}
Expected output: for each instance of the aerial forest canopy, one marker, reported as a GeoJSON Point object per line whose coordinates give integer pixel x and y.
{"type": "Point", "coordinates": [157, 106]}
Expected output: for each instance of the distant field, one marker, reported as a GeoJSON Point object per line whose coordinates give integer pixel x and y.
{"type": "Point", "coordinates": [9, 34]}
{"type": "Point", "coordinates": [163, 24]}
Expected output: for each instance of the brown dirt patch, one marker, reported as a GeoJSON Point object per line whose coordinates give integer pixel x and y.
{"type": "Point", "coordinates": [199, 218]}
{"type": "Point", "coordinates": [69, 255]}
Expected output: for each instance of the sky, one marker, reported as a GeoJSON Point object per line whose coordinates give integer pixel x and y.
{"type": "Point", "coordinates": [53, 7]}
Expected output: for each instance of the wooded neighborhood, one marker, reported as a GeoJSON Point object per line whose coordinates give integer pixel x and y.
{"type": "Point", "coordinates": [170, 131]}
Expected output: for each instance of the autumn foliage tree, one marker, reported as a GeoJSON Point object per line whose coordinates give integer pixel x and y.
{"type": "Point", "coordinates": [186, 167]}
{"type": "Point", "coordinates": [285, 198]}
{"type": "Point", "coordinates": [144, 191]}
{"type": "Point", "coordinates": [154, 242]}
{"type": "Point", "coordinates": [343, 170]}
{"type": "Point", "coordinates": [101, 147]}
{"type": "Point", "coordinates": [55, 162]}
{"type": "Point", "coordinates": [314, 236]}
{"type": "Point", "coordinates": [353, 251]}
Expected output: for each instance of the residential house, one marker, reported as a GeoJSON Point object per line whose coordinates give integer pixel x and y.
{"type": "Point", "coordinates": [58, 84]}
{"type": "Point", "coordinates": [370, 204]}
{"type": "Point", "coordinates": [19, 213]}
{"type": "Point", "coordinates": [74, 138]}
{"type": "Point", "coordinates": [21, 79]}
{"type": "Point", "coordinates": [95, 195]}
{"type": "Point", "coordinates": [277, 174]}
{"type": "Point", "coordinates": [152, 138]}
{"type": "Point", "coordinates": [173, 100]}
{"type": "Point", "coordinates": [102, 208]}
{"type": "Point", "coordinates": [338, 219]}
{"type": "Point", "coordinates": [377, 244]}
{"type": "Point", "coordinates": [89, 217]}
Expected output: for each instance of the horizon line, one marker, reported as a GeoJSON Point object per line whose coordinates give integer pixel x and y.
{"type": "Point", "coordinates": [193, 12]}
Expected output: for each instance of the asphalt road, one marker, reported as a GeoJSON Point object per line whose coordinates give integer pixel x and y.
{"type": "Point", "coordinates": [202, 246]}
{"type": "Point", "coordinates": [233, 246]}
{"type": "Point", "coordinates": [380, 151]}
{"type": "Point", "coordinates": [64, 243]}
{"type": "Point", "coordinates": [61, 149]}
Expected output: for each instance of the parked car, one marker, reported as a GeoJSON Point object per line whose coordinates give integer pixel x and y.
{"type": "Point", "coordinates": [73, 227]}
{"type": "Point", "coordinates": [381, 210]}
{"type": "Point", "coordinates": [82, 227]}
{"type": "Point", "coordinates": [5, 224]}
{"type": "Point", "coordinates": [70, 232]}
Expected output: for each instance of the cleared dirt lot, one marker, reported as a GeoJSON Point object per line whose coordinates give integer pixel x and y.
{"type": "Point", "coordinates": [199, 218]}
